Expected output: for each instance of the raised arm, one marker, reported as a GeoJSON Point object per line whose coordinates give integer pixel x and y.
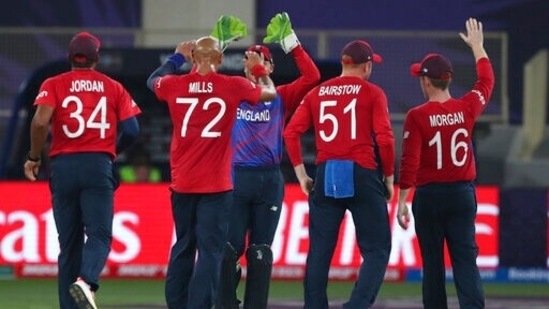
{"type": "Point", "coordinates": [254, 65]}
{"type": "Point", "coordinates": [480, 95]}
{"type": "Point", "coordinates": [293, 93]}
{"type": "Point", "coordinates": [183, 52]}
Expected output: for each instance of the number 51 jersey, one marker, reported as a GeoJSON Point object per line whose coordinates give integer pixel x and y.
{"type": "Point", "coordinates": [437, 138]}
{"type": "Point", "coordinates": [87, 108]}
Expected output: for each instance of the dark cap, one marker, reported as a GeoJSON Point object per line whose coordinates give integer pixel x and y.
{"type": "Point", "coordinates": [84, 47]}
{"type": "Point", "coordinates": [434, 66]}
{"type": "Point", "coordinates": [357, 52]}
{"type": "Point", "coordinates": [261, 49]}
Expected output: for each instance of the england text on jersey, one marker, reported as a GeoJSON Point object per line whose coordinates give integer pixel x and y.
{"type": "Point", "coordinates": [254, 116]}
{"type": "Point", "coordinates": [83, 85]}
{"type": "Point", "coordinates": [446, 119]}
{"type": "Point", "coordinates": [339, 90]}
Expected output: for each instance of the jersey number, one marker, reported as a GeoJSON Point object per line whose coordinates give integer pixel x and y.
{"type": "Point", "coordinates": [207, 131]}
{"type": "Point", "coordinates": [325, 116]}
{"type": "Point", "coordinates": [100, 111]}
{"type": "Point", "coordinates": [454, 147]}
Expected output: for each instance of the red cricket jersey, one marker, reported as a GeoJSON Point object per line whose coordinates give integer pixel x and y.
{"type": "Point", "coordinates": [87, 108]}
{"type": "Point", "coordinates": [203, 109]}
{"type": "Point", "coordinates": [347, 113]}
{"type": "Point", "coordinates": [437, 141]}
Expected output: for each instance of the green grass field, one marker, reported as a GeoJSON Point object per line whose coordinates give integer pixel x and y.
{"type": "Point", "coordinates": [42, 293]}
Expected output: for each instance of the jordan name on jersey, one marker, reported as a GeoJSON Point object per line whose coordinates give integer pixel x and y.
{"type": "Point", "coordinates": [83, 85]}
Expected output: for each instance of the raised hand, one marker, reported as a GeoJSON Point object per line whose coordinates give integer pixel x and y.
{"type": "Point", "coordinates": [474, 35]}
{"type": "Point", "coordinates": [186, 49]}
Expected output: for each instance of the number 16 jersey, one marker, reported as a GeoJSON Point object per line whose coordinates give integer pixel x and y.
{"type": "Point", "coordinates": [437, 137]}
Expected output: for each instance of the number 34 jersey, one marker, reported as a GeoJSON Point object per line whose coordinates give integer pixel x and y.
{"type": "Point", "coordinates": [87, 108]}
{"type": "Point", "coordinates": [202, 110]}
{"type": "Point", "coordinates": [437, 137]}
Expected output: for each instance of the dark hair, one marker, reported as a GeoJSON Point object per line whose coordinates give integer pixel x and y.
{"type": "Point", "coordinates": [442, 84]}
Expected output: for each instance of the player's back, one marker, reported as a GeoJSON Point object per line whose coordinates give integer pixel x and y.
{"type": "Point", "coordinates": [446, 150]}
{"type": "Point", "coordinates": [345, 111]}
{"type": "Point", "coordinates": [86, 110]}
{"type": "Point", "coordinates": [203, 109]}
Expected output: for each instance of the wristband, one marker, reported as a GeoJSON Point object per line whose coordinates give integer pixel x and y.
{"type": "Point", "coordinates": [32, 159]}
{"type": "Point", "coordinates": [259, 70]}
{"type": "Point", "coordinates": [177, 60]}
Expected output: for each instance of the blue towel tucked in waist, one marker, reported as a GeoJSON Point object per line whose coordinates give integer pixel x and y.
{"type": "Point", "coordinates": [339, 179]}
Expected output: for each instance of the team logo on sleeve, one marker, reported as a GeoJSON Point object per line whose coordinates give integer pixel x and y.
{"type": "Point", "coordinates": [480, 96]}
{"type": "Point", "coordinates": [406, 134]}
{"type": "Point", "coordinates": [42, 94]}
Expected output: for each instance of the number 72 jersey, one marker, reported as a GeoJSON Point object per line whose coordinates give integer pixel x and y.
{"type": "Point", "coordinates": [87, 108]}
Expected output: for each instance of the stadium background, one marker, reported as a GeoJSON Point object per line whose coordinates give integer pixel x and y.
{"type": "Point", "coordinates": [137, 36]}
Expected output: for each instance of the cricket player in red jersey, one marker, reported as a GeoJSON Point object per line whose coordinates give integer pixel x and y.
{"type": "Point", "coordinates": [92, 119]}
{"type": "Point", "coordinates": [350, 119]}
{"type": "Point", "coordinates": [202, 107]}
{"type": "Point", "coordinates": [437, 159]}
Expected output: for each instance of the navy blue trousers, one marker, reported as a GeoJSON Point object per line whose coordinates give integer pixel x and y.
{"type": "Point", "coordinates": [446, 212]}
{"type": "Point", "coordinates": [371, 219]}
{"type": "Point", "coordinates": [82, 188]}
{"type": "Point", "coordinates": [258, 196]}
{"type": "Point", "coordinates": [200, 227]}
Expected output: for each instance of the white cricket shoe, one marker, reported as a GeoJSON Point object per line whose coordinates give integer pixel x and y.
{"type": "Point", "coordinates": [82, 294]}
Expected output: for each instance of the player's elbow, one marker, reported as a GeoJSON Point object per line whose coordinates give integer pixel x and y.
{"type": "Point", "coordinates": [314, 77]}
{"type": "Point", "coordinates": [40, 123]}
{"type": "Point", "coordinates": [384, 140]}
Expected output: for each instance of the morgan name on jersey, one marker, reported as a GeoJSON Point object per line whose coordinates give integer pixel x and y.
{"type": "Point", "coordinates": [447, 119]}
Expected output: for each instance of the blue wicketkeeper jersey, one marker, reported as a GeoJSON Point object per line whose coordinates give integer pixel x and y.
{"type": "Point", "coordinates": [257, 133]}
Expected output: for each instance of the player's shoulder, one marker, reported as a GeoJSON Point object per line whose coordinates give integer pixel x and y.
{"type": "Point", "coordinates": [417, 110]}
{"type": "Point", "coordinates": [226, 77]}
{"type": "Point", "coordinates": [233, 80]}
{"type": "Point", "coordinates": [59, 77]}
